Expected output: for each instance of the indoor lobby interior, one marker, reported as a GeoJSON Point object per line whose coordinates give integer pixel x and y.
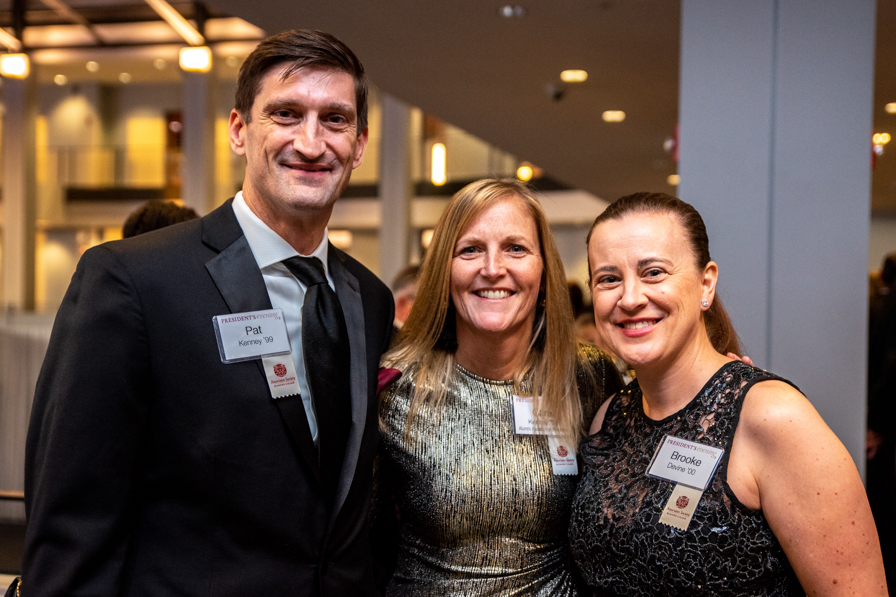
{"type": "Point", "coordinates": [772, 117]}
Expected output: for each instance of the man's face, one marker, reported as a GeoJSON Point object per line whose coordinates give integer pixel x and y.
{"type": "Point", "coordinates": [301, 142]}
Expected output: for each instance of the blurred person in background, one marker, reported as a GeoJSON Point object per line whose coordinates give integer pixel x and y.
{"type": "Point", "coordinates": [881, 445]}
{"type": "Point", "coordinates": [155, 214]}
{"type": "Point", "coordinates": [404, 292]}
{"type": "Point", "coordinates": [586, 331]}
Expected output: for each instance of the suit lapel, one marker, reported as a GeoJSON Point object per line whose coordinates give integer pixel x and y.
{"type": "Point", "coordinates": [349, 293]}
{"type": "Point", "coordinates": [235, 272]}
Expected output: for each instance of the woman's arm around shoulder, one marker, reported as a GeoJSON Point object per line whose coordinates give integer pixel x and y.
{"type": "Point", "coordinates": [810, 492]}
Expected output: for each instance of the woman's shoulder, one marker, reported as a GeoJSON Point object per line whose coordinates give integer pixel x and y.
{"type": "Point", "coordinates": [772, 403]}
{"type": "Point", "coordinates": [775, 418]}
{"type": "Point", "coordinates": [597, 378]}
{"type": "Point", "coordinates": [596, 366]}
{"type": "Point", "coordinates": [591, 355]}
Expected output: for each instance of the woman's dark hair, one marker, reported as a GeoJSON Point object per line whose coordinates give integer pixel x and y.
{"type": "Point", "coordinates": [299, 48]}
{"type": "Point", "coordinates": [718, 325]}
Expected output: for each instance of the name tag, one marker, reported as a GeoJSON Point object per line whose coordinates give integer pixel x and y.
{"type": "Point", "coordinates": [681, 506]}
{"type": "Point", "coordinates": [251, 335]}
{"type": "Point", "coordinates": [685, 462]}
{"type": "Point", "coordinates": [281, 374]}
{"type": "Point", "coordinates": [563, 458]}
{"type": "Point", "coordinates": [690, 465]}
{"type": "Point", "coordinates": [524, 418]}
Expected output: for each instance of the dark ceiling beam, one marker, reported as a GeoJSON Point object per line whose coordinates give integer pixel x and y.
{"type": "Point", "coordinates": [200, 15]}
{"type": "Point", "coordinates": [18, 19]}
{"type": "Point", "coordinates": [130, 13]}
{"type": "Point", "coordinates": [140, 44]}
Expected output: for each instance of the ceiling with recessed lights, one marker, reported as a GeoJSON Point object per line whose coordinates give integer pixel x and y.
{"type": "Point", "coordinates": [494, 69]}
{"type": "Point", "coordinates": [121, 37]}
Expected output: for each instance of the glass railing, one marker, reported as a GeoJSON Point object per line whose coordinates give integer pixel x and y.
{"type": "Point", "coordinates": [103, 166]}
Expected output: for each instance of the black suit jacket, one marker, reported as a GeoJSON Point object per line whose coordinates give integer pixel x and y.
{"type": "Point", "coordinates": [152, 468]}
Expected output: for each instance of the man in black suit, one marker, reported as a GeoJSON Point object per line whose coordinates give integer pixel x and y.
{"type": "Point", "coordinates": [159, 463]}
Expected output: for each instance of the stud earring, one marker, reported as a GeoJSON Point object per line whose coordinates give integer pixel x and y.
{"type": "Point", "coordinates": [704, 303]}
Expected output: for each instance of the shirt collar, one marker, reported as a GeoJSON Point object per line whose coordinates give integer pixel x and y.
{"type": "Point", "coordinates": [267, 246]}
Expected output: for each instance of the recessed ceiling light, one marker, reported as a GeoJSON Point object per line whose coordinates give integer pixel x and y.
{"type": "Point", "coordinates": [509, 11]}
{"type": "Point", "coordinates": [125, 78]}
{"type": "Point", "coordinates": [160, 63]}
{"type": "Point", "coordinates": [92, 66]}
{"type": "Point", "coordinates": [613, 116]}
{"type": "Point", "coordinates": [60, 80]}
{"type": "Point", "coordinates": [673, 180]}
{"type": "Point", "coordinates": [890, 108]}
{"type": "Point", "coordinates": [573, 76]}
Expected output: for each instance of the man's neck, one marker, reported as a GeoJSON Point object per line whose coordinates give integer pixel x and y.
{"type": "Point", "coordinates": [304, 231]}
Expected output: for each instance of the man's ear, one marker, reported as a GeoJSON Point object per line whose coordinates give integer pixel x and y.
{"type": "Point", "coordinates": [237, 131]}
{"type": "Point", "coordinates": [359, 150]}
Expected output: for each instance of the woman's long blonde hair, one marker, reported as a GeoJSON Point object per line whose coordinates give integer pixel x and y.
{"type": "Point", "coordinates": [427, 343]}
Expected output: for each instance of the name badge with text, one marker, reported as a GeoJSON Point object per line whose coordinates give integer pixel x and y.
{"type": "Point", "coordinates": [563, 458]}
{"type": "Point", "coordinates": [251, 335]}
{"type": "Point", "coordinates": [686, 462]}
{"type": "Point", "coordinates": [524, 418]}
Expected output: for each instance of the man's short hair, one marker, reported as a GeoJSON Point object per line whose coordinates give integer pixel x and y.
{"type": "Point", "coordinates": [300, 48]}
{"type": "Point", "coordinates": [155, 214]}
{"type": "Point", "coordinates": [405, 278]}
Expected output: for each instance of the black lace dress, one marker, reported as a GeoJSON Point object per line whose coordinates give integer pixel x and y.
{"type": "Point", "coordinates": [617, 541]}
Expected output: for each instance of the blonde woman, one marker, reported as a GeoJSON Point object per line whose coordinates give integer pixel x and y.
{"type": "Point", "coordinates": [483, 503]}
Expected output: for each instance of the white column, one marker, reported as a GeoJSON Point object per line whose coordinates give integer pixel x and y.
{"type": "Point", "coordinates": [775, 113]}
{"type": "Point", "coordinates": [19, 192]}
{"type": "Point", "coordinates": [395, 186]}
{"type": "Point", "coordinates": [198, 141]}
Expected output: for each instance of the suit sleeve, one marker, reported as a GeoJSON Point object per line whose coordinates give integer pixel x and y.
{"type": "Point", "coordinates": [88, 426]}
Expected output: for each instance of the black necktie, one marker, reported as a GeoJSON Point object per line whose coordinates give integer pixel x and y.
{"type": "Point", "coordinates": [327, 358]}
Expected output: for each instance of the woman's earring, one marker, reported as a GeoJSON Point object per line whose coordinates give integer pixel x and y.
{"type": "Point", "coordinates": [705, 303]}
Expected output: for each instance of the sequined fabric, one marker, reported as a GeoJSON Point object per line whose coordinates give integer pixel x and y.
{"type": "Point", "coordinates": [615, 537]}
{"type": "Point", "coordinates": [481, 512]}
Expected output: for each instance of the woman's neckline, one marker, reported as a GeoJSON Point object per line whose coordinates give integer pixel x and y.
{"type": "Point", "coordinates": [468, 373]}
{"type": "Point", "coordinates": [690, 403]}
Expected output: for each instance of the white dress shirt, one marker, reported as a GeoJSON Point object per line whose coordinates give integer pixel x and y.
{"type": "Point", "coordinates": [284, 289]}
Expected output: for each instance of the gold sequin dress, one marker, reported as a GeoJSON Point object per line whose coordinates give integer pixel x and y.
{"type": "Point", "coordinates": [481, 512]}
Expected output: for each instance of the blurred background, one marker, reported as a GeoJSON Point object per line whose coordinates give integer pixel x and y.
{"type": "Point", "coordinates": [772, 117]}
